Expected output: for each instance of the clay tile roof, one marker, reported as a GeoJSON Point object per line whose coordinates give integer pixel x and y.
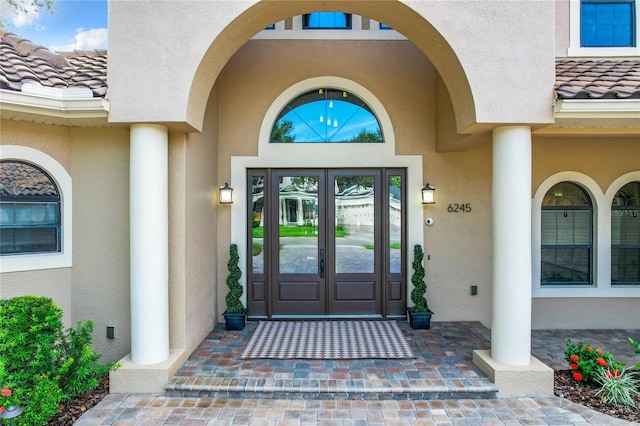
{"type": "Point", "coordinates": [22, 61]}
{"type": "Point", "coordinates": [598, 79]}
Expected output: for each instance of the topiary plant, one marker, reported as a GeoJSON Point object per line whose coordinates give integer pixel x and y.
{"type": "Point", "coordinates": [417, 279]}
{"type": "Point", "coordinates": [234, 305]}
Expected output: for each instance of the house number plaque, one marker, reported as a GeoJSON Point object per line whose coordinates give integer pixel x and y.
{"type": "Point", "coordinates": [459, 208]}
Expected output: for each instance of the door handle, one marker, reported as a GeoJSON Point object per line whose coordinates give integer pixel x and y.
{"type": "Point", "coordinates": [321, 263]}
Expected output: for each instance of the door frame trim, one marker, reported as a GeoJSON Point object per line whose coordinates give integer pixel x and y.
{"type": "Point", "coordinates": [304, 155]}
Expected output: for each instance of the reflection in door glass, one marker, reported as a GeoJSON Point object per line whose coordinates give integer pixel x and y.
{"type": "Point", "coordinates": [298, 225]}
{"type": "Point", "coordinates": [257, 224]}
{"type": "Point", "coordinates": [395, 224]}
{"type": "Point", "coordinates": [354, 224]}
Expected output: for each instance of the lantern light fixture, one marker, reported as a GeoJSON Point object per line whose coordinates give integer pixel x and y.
{"type": "Point", "coordinates": [226, 194]}
{"type": "Point", "coordinates": [428, 192]}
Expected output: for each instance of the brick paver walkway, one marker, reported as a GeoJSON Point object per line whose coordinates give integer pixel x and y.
{"type": "Point", "coordinates": [443, 353]}
{"type": "Point", "coordinates": [123, 409]}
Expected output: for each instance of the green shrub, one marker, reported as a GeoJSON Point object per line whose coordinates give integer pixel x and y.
{"type": "Point", "coordinates": [41, 363]}
{"type": "Point", "coordinates": [29, 331]}
{"type": "Point", "coordinates": [80, 370]}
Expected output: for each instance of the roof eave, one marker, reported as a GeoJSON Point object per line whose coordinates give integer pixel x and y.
{"type": "Point", "coordinates": [59, 108]}
{"type": "Point", "coordinates": [595, 117]}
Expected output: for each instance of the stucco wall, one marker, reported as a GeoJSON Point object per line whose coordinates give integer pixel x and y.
{"type": "Point", "coordinates": [203, 254]}
{"type": "Point", "coordinates": [562, 27]}
{"type": "Point", "coordinates": [53, 283]}
{"type": "Point", "coordinates": [583, 313]}
{"type": "Point", "coordinates": [471, 42]}
{"type": "Point", "coordinates": [99, 160]}
{"type": "Point", "coordinates": [460, 243]}
{"type": "Point", "coordinates": [602, 159]}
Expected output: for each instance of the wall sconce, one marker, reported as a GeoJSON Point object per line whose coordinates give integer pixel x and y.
{"type": "Point", "coordinates": [226, 194]}
{"type": "Point", "coordinates": [428, 192]}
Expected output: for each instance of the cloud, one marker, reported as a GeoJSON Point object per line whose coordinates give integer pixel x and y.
{"type": "Point", "coordinates": [95, 38]}
{"type": "Point", "coordinates": [22, 15]}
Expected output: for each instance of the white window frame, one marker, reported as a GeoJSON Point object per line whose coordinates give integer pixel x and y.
{"type": "Point", "coordinates": [574, 37]}
{"type": "Point", "coordinates": [62, 179]}
{"type": "Point", "coordinates": [601, 239]}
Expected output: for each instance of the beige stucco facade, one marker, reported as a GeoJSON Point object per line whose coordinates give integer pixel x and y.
{"type": "Point", "coordinates": [459, 70]}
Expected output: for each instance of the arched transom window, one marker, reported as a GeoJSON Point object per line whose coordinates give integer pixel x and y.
{"type": "Point", "coordinates": [29, 210]}
{"type": "Point", "coordinates": [625, 235]}
{"type": "Point", "coordinates": [326, 115]}
{"type": "Point", "coordinates": [567, 236]}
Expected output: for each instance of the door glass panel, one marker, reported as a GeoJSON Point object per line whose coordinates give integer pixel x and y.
{"type": "Point", "coordinates": [395, 224]}
{"type": "Point", "coordinates": [298, 225]}
{"type": "Point", "coordinates": [354, 224]}
{"type": "Point", "coordinates": [257, 224]}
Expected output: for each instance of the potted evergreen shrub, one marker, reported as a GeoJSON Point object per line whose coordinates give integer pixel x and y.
{"type": "Point", "coordinates": [419, 313]}
{"type": "Point", "coordinates": [235, 315]}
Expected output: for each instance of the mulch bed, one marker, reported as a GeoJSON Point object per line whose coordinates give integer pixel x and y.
{"type": "Point", "coordinates": [585, 394]}
{"type": "Point", "coordinates": [564, 386]}
{"type": "Point", "coordinates": [71, 411]}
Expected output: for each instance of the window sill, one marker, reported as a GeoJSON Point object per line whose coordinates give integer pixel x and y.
{"type": "Point", "coordinates": [585, 292]}
{"type": "Point", "coordinates": [602, 51]}
{"type": "Point", "coordinates": [34, 262]}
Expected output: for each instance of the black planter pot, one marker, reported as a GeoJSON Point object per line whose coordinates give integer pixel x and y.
{"type": "Point", "coordinates": [419, 320]}
{"type": "Point", "coordinates": [235, 321]}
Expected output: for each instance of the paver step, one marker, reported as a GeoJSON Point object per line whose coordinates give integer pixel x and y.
{"type": "Point", "coordinates": [420, 389]}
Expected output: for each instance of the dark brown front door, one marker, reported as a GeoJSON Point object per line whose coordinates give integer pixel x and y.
{"type": "Point", "coordinates": [332, 243]}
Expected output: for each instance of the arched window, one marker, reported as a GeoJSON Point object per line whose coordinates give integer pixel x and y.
{"type": "Point", "coordinates": [566, 236]}
{"type": "Point", "coordinates": [625, 235]}
{"type": "Point", "coordinates": [326, 115]}
{"type": "Point", "coordinates": [30, 219]}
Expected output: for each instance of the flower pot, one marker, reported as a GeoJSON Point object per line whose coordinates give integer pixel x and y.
{"type": "Point", "coordinates": [235, 321]}
{"type": "Point", "coordinates": [419, 320]}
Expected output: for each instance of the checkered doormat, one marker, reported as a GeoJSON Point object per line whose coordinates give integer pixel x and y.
{"type": "Point", "coordinates": [327, 340]}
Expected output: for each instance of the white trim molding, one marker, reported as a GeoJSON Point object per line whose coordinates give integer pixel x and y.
{"type": "Point", "coordinates": [597, 108]}
{"type": "Point", "coordinates": [54, 102]}
{"type": "Point", "coordinates": [601, 239]}
{"type": "Point", "coordinates": [62, 179]}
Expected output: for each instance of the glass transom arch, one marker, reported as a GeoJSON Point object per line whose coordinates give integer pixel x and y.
{"type": "Point", "coordinates": [326, 115]}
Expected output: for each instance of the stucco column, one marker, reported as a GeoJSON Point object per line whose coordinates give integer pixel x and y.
{"type": "Point", "coordinates": [149, 212]}
{"type": "Point", "coordinates": [511, 321]}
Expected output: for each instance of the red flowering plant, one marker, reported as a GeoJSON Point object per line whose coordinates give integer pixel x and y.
{"type": "Point", "coordinates": [5, 399]}
{"type": "Point", "coordinates": [588, 362]}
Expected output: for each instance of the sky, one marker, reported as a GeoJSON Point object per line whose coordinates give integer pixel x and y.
{"type": "Point", "coordinates": [71, 25]}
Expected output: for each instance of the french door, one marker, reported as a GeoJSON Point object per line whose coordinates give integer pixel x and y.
{"type": "Point", "coordinates": [326, 242]}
